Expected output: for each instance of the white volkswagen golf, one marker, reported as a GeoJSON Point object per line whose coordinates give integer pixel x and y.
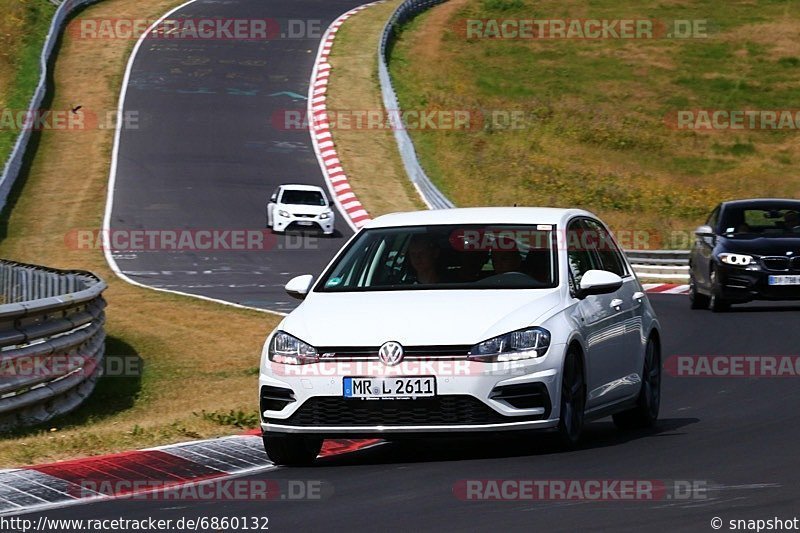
{"type": "Point", "coordinates": [462, 320]}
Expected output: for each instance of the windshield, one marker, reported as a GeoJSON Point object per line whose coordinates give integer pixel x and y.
{"type": "Point", "coordinates": [303, 198]}
{"type": "Point", "coordinates": [778, 221]}
{"type": "Point", "coordinates": [446, 257]}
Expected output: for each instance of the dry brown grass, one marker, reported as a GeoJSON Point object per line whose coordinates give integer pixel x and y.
{"type": "Point", "coordinates": [197, 355]}
{"type": "Point", "coordinates": [370, 158]}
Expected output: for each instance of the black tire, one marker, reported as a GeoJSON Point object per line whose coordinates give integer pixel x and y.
{"type": "Point", "coordinates": [716, 302]}
{"type": "Point", "coordinates": [696, 299]}
{"type": "Point", "coordinates": [645, 414]}
{"type": "Point", "coordinates": [292, 450]}
{"type": "Point", "coordinates": [573, 400]}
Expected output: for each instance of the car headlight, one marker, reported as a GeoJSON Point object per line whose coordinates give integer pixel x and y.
{"type": "Point", "coordinates": [290, 350]}
{"type": "Point", "coordinates": [737, 259]}
{"type": "Point", "coordinates": [283, 213]}
{"type": "Point", "coordinates": [325, 215]}
{"type": "Point", "coordinates": [523, 344]}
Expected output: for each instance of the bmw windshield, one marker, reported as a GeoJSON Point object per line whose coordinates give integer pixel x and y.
{"type": "Point", "coordinates": [446, 257]}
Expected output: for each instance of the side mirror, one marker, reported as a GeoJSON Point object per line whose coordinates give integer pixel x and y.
{"type": "Point", "coordinates": [599, 282]}
{"type": "Point", "coordinates": [273, 198]}
{"type": "Point", "coordinates": [330, 203]}
{"type": "Point", "coordinates": [704, 231]}
{"type": "Point", "coordinates": [298, 287]}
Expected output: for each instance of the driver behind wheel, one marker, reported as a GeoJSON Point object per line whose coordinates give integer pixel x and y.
{"type": "Point", "coordinates": [506, 256]}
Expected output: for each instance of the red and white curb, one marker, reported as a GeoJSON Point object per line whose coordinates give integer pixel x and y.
{"type": "Point", "coordinates": [321, 135]}
{"type": "Point", "coordinates": [64, 483]}
{"type": "Point", "coordinates": [665, 288]}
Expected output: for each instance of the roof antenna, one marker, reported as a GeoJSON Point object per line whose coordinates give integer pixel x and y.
{"type": "Point", "coordinates": [515, 205]}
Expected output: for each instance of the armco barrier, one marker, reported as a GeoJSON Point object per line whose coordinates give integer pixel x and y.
{"type": "Point", "coordinates": [13, 164]}
{"type": "Point", "coordinates": [660, 264]}
{"type": "Point", "coordinates": [432, 196]}
{"type": "Point", "coordinates": [52, 341]}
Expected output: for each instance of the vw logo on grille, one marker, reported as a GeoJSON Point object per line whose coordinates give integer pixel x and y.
{"type": "Point", "coordinates": [390, 353]}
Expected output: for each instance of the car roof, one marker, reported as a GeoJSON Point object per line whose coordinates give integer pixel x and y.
{"type": "Point", "coordinates": [760, 203]}
{"type": "Point", "coordinates": [479, 215]}
{"type": "Point", "coordinates": [299, 187]}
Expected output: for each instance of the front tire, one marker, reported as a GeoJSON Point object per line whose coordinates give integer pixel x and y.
{"type": "Point", "coordinates": [292, 450]}
{"type": "Point", "coordinates": [717, 303]}
{"type": "Point", "coordinates": [645, 414]}
{"type": "Point", "coordinates": [573, 401]}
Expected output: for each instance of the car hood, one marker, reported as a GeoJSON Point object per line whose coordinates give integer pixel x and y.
{"type": "Point", "coordinates": [416, 318]}
{"type": "Point", "coordinates": [761, 245]}
{"type": "Point", "coordinates": [305, 209]}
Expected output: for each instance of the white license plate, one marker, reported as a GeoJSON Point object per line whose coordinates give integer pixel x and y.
{"type": "Point", "coordinates": [304, 223]}
{"type": "Point", "coordinates": [784, 280]}
{"type": "Point", "coordinates": [390, 388]}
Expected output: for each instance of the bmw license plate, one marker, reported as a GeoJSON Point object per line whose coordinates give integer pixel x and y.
{"type": "Point", "coordinates": [390, 388]}
{"type": "Point", "coordinates": [784, 280]}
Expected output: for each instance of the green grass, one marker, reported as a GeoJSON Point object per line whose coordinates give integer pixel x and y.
{"type": "Point", "coordinates": [23, 27]}
{"type": "Point", "coordinates": [596, 132]}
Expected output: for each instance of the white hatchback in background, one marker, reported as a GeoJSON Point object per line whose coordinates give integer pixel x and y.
{"type": "Point", "coordinates": [300, 207]}
{"type": "Point", "coordinates": [462, 320]}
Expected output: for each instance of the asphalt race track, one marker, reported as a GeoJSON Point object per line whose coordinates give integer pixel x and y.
{"type": "Point", "coordinates": [735, 436]}
{"type": "Point", "coordinates": [206, 152]}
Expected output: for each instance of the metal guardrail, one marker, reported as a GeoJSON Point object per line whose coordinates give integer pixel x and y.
{"type": "Point", "coordinates": [660, 264]}
{"type": "Point", "coordinates": [431, 195]}
{"type": "Point", "coordinates": [13, 165]}
{"type": "Point", "coordinates": [52, 341]}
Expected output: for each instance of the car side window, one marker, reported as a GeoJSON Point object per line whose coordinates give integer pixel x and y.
{"type": "Point", "coordinates": [610, 256]}
{"type": "Point", "coordinates": [581, 256]}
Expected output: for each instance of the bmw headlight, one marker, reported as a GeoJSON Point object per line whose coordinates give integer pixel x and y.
{"type": "Point", "coordinates": [290, 350]}
{"type": "Point", "coordinates": [523, 344]}
{"type": "Point", "coordinates": [737, 259]}
{"type": "Point", "coordinates": [283, 213]}
{"type": "Point", "coordinates": [325, 215]}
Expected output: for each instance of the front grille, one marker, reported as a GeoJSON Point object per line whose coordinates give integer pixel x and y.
{"type": "Point", "coordinates": [777, 263]}
{"type": "Point", "coordinates": [524, 396]}
{"type": "Point", "coordinates": [334, 411]}
{"type": "Point", "coordinates": [304, 216]}
{"type": "Point", "coordinates": [409, 352]}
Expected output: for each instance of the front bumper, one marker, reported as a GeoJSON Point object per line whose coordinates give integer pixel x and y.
{"type": "Point", "coordinates": [281, 224]}
{"type": "Point", "coordinates": [471, 397]}
{"type": "Point", "coordinates": [738, 284]}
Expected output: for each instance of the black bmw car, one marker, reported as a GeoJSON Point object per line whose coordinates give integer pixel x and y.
{"type": "Point", "coordinates": [747, 250]}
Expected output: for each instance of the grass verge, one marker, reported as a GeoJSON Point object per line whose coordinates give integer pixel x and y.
{"type": "Point", "coordinates": [200, 359]}
{"type": "Point", "coordinates": [369, 156]}
{"type": "Point", "coordinates": [596, 131]}
{"type": "Point", "coordinates": [23, 28]}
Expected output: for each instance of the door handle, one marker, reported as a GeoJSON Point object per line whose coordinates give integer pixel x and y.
{"type": "Point", "coordinates": [637, 296]}
{"type": "Point", "coordinates": [616, 303]}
